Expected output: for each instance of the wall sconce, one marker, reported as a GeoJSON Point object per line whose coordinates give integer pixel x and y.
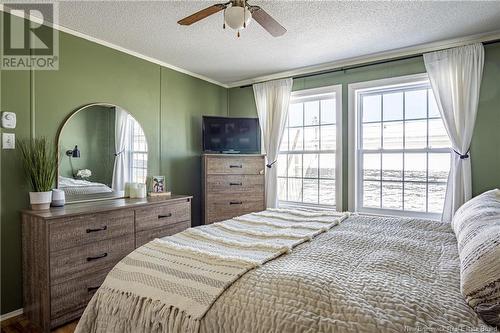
{"type": "Point", "coordinates": [73, 153]}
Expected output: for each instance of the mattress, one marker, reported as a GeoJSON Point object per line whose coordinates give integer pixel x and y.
{"type": "Point", "coordinates": [368, 274]}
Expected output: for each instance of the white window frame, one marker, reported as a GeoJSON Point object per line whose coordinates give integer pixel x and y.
{"type": "Point", "coordinates": [354, 92]}
{"type": "Point", "coordinates": [132, 123]}
{"type": "Point", "coordinates": [313, 94]}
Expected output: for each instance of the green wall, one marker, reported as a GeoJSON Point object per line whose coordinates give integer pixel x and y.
{"type": "Point", "coordinates": [485, 149]}
{"type": "Point", "coordinates": [93, 130]}
{"type": "Point", "coordinates": [166, 103]}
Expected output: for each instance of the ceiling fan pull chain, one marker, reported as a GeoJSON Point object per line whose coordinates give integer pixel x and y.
{"type": "Point", "coordinates": [238, 34]}
{"type": "Point", "coordinates": [244, 14]}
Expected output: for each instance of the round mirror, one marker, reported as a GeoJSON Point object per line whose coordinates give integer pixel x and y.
{"type": "Point", "coordinates": [101, 147]}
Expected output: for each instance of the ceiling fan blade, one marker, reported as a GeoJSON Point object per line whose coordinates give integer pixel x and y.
{"type": "Point", "coordinates": [202, 14]}
{"type": "Point", "coordinates": [267, 22]}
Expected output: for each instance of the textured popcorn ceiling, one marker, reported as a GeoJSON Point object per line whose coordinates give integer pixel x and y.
{"type": "Point", "coordinates": [318, 31]}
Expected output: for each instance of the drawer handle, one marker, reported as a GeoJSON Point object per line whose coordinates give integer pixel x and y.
{"type": "Point", "coordinates": [91, 289]}
{"type": "Point", "coordinates": [165, 216]}
{"type": "Point", "coordinates": [235, 184]}
{"type": "Point", "coordinates": [239, 166]}
{"type": "Point", "coordinates": [104, 255]}
{"type": "Point", "coordinates": [235, 202]}
{"type": "Point", "coordinates": [98, 229]}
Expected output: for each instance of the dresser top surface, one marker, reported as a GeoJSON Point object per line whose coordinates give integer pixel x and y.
{"type": "Point", "coordinates": [232, 155]}
{"type": "Point", "coordinates": [72, 209]}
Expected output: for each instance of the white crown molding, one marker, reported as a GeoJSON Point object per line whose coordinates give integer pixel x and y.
{"type": "Point", "coordinates": [121, 49]}
{"type": "Point", "coordinates": [386, 55]}
{"type": "Point", "coordinates": [11, 314]}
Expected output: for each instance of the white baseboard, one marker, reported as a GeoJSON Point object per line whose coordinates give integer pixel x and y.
{"type": "Point", "coordinates": [11, 314]}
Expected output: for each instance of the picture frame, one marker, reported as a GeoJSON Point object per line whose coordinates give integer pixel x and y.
{"type": "Point", "coordinates": [158, 184]}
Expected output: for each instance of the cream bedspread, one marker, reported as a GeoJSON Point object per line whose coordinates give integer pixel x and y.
{"type": "Point", "coordinates": [368, 274]}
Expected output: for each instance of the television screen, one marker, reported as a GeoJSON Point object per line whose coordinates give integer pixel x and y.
{"type": "Point", "coordinates": [231, 135]}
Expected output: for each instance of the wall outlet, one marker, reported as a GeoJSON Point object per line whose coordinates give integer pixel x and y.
{"type": "Point", "coordinates": [8, 120]}
{"type": "Point", "coordinates": [8, 141]}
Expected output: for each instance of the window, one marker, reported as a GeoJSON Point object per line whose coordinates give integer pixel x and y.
{"type": "Point", "coordinates": [308, 172]}
{"type": "Point", "coordinates": [138, 153]}
{"type": "Point", "coordinates": [402, 150]}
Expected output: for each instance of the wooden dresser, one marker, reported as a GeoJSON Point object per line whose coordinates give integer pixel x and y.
{"type": "Point", "coordinates": [232, 185]}
{"type": "Point", "coordinates": [68, 251]}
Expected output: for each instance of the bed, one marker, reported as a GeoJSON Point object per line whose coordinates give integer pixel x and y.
{"type": "Point", "coordinates": [77, 187]}
{"type": "Point", "coordinates": [364, 274]}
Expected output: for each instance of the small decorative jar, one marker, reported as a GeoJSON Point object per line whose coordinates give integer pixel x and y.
{"type": "Point", "coordinates": [58, 198]}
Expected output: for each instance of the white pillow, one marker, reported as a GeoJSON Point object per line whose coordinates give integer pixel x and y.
{"type": "Point", "coordinates": [477, 227]}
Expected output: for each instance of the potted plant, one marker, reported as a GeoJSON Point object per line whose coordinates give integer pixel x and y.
{"type": "Point", "coordinates": [39, 162]}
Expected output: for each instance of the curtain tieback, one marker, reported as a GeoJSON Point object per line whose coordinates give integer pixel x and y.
{"type": "Point", "coordinates": [462, 156]}
{"type": "Point", "coordinates": [270, 165]}
{"type": "Point", "coordinates": [120, 152]}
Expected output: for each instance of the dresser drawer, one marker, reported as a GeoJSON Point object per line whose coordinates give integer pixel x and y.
{"type": "Point", "coordinates": [221, 207]}
{"type": "Point", "coordinates": [231, 184]}
{"type": "Point", "coordinates": [244, 165]}
{"type": "Point", "coordinates": [161, 215]}
{"type": "Point", "coordinates": [146, 236]}
{"type": "Point", "coordinates": [79, 230]}
{"type": "Point", "coordinates": [87, 259]}
{"type": "Point", "coordinates": [70, 298]}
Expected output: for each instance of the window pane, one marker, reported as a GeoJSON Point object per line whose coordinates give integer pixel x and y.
{"type": "Point", "coordinates": [327, 166]}
{"type": "Point", "coordinates": [295, 114]}
{"type": "Point", "coordinates": [281, 165]}
{"type": "Point", "coordinates": [327, 192]}
{"type": "Point", "coordinates": [371, 194]}
{"type": "Point", "coordinates": [296, 138]}
{"type": "Point", "coordinates": [311, 165]}
{"type": "Point", "coordinates": [294, 165]}
{"type": "Point", "coordinates": [371, 166]}
{"type": "Point", "coordinates": [433, 108]}
{"type": "Point", "coordinates": [371, 108]}
{"type": "Point", "coordinates": [311, 113]}
{"type": "Point", "coordinates": [328, 115]}
{"type": "Point", "coordinates": [436, 198]}
{"type": "Point", "coordinates": [415, 197]}
{"type": "Point", "coordinates": [372, 136]}
{"type": "Point", "coordinates": [416, 104]}
{"type": "Point", "coordinates": [392, 166]}
{"type": "Point", "coordinates": [311, 138]}
{"type": "Point", "coordinates": [311, 191]}
{"type": "Point", "coordinates": [284, 141]}
{"type": "Point", "coordinates": [328, 137]}
{"type": "Point", "coordinates": [393, 106]}
{"type": "Point", "coordinates": [294, 189]}
{"type": "Point", "coordinates": [393, 135]}
{"type": "Point", "coordinates": [282, 189]}
{"type": "Point", "coordinates": [416, 167]}
{"type": "Point", "coordinates": [439, 166]}
{"type": "Point", "coordinates": [392, 195]}
{"type": "Point", "coordinates": [438, 138]}
{"type": "Point", "coordinates": [416, 134]}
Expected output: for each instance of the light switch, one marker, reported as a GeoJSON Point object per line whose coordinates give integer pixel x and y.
{"type": "Point", "coordinates": [8, 120]}
{"type": "Point", "coordinates": [8, 141]}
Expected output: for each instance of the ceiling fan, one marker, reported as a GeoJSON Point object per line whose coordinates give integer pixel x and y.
{"type": "Point", "coordinates": [237, 15]}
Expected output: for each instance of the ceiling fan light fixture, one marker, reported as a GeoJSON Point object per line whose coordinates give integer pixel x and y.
{"type": "Point", "coordinates": [237, 17]}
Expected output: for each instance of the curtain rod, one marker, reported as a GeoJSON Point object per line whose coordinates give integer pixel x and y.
{"type": "Point", "coordinates": [366, 64]}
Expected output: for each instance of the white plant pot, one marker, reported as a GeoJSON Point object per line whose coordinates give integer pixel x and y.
{"type": "Point", "coordinates": [40, 200]}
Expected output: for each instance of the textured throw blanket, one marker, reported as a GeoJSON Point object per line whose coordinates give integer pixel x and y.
{"type": "Point", "coordinates": [169, 284]}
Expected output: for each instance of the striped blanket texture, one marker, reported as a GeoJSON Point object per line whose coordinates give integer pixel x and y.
{"type": "Point", "coordinates": [171, 283]}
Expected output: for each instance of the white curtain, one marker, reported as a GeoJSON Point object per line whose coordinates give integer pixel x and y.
{"type": "Point", "coordinates": [455, 76]}
{"type": "Point", "coordinates": [122, 135]}
{"type": "Point", "coordinates": [272, 99]}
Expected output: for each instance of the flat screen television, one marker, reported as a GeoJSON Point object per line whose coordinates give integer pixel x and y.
{"type": "Point", "coordinates": [231, 135]}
